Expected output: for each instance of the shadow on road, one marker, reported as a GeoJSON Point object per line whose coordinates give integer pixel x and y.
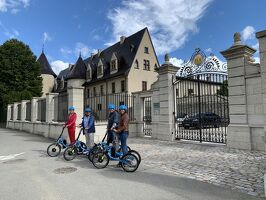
{"type": "Point", "coordinates": [189, 188]}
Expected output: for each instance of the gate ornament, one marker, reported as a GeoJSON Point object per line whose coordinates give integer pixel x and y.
{"type": "Point", "coordinates": [200, 64]}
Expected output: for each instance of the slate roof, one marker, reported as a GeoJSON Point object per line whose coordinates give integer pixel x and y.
{"type": "Point", "coordinates": [125, 54]}
{"type": "Point", "coordinates": [45, 66]}
{"type": "Point", "coordinates": [63, 73]}
{"type": "Point", "coordinates": [78, 71]}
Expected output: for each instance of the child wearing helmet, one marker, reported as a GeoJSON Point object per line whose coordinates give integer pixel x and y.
{"type": "Point", "coordinates": [88, 124]}
{"type": "Point", "coordinates": [71, 124]}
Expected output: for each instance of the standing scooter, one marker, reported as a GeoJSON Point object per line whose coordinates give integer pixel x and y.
{"type": "Point", "coordinates": [75, 149]}
{"type": "Point", "coordinates": [54, 149]}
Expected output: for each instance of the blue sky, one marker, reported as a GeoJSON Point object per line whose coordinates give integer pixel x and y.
{"type": "Point", "coordinates": [176, 26]}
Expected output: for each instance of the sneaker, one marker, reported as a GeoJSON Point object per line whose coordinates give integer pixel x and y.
{"type": "Point", "coordinates": [119, 165]}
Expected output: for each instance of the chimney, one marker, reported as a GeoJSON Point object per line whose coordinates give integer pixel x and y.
{"type": "Point", "coordinates": [122, 39]}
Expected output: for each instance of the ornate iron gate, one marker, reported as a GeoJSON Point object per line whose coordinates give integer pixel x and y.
{"type": "Point", "coordinates": [201, 96]}
{"type": "Point", "coordinates": [147, 119]}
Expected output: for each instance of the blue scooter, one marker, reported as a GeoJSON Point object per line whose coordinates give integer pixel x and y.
{"type": "Point", "coordinates": [78, 148]}
{"type": "Point", "coordinates": [54, 149]}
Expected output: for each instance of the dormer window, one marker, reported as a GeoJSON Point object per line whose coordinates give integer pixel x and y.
{"type": "Point", "coordinates": [114, 64]}
{"type": "Point", "coordinates": [88, 73]}
{"type": "Point", "coordinates": [100, 69]}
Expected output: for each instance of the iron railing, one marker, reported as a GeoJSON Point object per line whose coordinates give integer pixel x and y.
{"type": "Point", "coordinates": [61, 107]}
{"type": "Point", "coordinates": [99, 104]}
{"type": "Point", "coordinates": [19, 112]}
{"type": "Point", "coordinates": [12, 114]}
{"type": "Point", "coordinates": [41, 106]}
{"type": "Point", "coordinates": [28, 111]}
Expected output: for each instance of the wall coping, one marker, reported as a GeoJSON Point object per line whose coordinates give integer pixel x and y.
{"type": "Point", "coordinates": [261, 34]}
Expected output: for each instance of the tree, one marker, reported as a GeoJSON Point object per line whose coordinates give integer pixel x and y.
{"type": "Point", "coordinates": [19, 74]}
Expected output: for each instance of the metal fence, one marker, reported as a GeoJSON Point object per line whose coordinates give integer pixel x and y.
{"type": "Point", "coordinates": [202, 110]}
{"type": "Point", "coordinates": [19, 112]}
{"type": "Point", "coordinates": [147, 118]}
{"type": "Point", "coordinates": [28, 111]}
{"type": "Point", "coordinates": [12, 114]}
{"type": "Point", "coordinates": [99, 104]}
{"type": "Point", "coordinates": [41, 110]}
{"type": "Point", "coordinates": [61, 107]}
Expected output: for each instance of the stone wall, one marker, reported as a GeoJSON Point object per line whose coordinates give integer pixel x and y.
{"type": "Point", "coordinates": [247, 112]}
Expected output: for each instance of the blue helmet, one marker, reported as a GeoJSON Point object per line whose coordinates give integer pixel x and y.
{"type": "Point", "coordinates": [111, 106]}
{"type": "Point", "coordinates": [88, 110]}
{"type": "Point", "coordinates": [71, 108]}
{"type": "Point", "coordinates": [122, 107]}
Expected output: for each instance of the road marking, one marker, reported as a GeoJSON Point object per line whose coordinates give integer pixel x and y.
{"type": "Point", "coordinates": [11, 156]}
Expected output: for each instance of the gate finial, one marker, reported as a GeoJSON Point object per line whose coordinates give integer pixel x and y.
{"type": "Point", "coordinates": [237, 38]}
{"type": "Point", "coordinates": [166, 58]}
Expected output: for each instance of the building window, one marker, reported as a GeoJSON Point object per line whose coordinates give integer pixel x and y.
{"type": "Point", "coordinates": [136, 64]}
{"type": "Point", "coordinates": [155, 67]}
{"type": "Point", "coordinates": [146, 50]}
{"type": "Point", "coordinates": [88, 93]}
{"type": "Point", "coordinates": [190, 92]}
{"type": "Point", "coordinates": [144, 85]}
{"type": "Point", "coordinates": [113, 87]}
{"type": "Point", "coordinates": [101, 89]}
{"type": "Point", "coordinates": [113, 65]}
{"type": "Point", "coordinates": [99, 106]}
{"type": "Point", "coordinates": [89, 73]}
{"type": "Point", "coordinates": [123, 88]}
{"type": "Point", "coordinates": [146, 65]}
{"type": "Point", "coordinates": [99, 70]}
{"type": "Point", "coordinates": [94, 91]}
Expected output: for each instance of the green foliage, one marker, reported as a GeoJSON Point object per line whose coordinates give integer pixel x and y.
{"type": "Point", "coordinates": [19, 74]}
{"type": "Point", "coordinates": [224, 89]}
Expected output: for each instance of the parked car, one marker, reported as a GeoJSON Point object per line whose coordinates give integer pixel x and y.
{"type": "Point", "coordinates": [208, 119]}
{"type": "Point", "coordinates": [180, 118]}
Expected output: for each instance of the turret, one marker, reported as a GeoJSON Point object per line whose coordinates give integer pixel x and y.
{"type": "Point", "coordinates": [47, 75]}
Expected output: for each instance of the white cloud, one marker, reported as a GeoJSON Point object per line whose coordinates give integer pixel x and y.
{"type": "Point", "coordinates": [9, 33]}
{"type": "Point", "coordinates": [13, 5]}
{"type": "Point", "coordinates": [176, 61]}
{"type": "Point", "coordinates": [83, 49]}
{"type": "Point", "coordinates": [256, 46]}
{"type": "Point", "coordinates": [169, 21]}
{"type": "Point", "coordinates": [58, 66]}
{"type": "Point", "coordinates": [257, 59]}
{"type": "Point", "coordinates": [65, 51]}
{"type": "Point", "coordinates": [46, 37]}
{"type": "Point", "coordinates": [248, 33]}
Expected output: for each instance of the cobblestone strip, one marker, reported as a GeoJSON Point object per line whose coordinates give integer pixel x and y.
{"type": "Point", "coordinates": [216, 164]}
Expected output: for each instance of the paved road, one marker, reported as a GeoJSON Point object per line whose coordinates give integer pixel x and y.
{"type": "Point", "coordinates": [27, 173]}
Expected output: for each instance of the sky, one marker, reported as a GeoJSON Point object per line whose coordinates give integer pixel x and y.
{"type": "Point", "coordinates": [178, 27]}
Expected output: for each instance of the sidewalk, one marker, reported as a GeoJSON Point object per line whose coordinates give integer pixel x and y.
{"type": "Point", "coordinates": [213, 163]}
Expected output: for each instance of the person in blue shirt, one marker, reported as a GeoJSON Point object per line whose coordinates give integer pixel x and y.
{"type": "Point", "coordinates": [88, 125]}
{"type": "Point", "coordinates": [113, 122]}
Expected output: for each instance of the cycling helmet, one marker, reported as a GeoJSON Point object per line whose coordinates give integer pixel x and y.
{"type": "Point", "coordinates": [88, 110]}
{"type": "Point", "coordinates": [122, 107]}
{"type": "Point", "coordinates": [111, 106]}
{"type": "Point", "coordinates": [71, 108]}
